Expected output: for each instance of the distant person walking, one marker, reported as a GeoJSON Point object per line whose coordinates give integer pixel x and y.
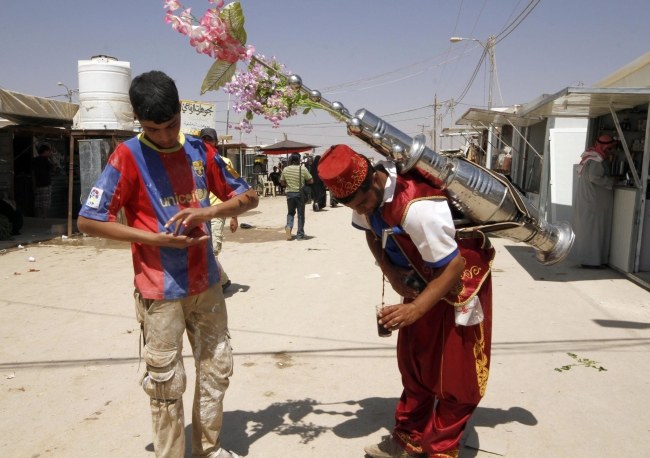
{"type": "Point", "coordinates": [209, 136]}
{"type": "Point", "coordinates": [274, 176]}
{"type": "Point", "coordinates": [594, 204]}
{"type": "Point", "coordinates": [318, 189]}
{"type": "Point", "coordinates": [42, 172]}
{"type": "Point", "coordinates": [294, 177]}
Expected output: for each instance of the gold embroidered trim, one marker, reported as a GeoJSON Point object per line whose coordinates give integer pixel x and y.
{"type": "Point", "coordinates": [482, 371]}
{"type": "Point", "coordinates": [410, 446]}
{"type": "Point", "coordinates": [476, 290]}
{"type": "Point", "coordinates": [449, 454]}
{"type": "Point", "coordinates": [419, 199]}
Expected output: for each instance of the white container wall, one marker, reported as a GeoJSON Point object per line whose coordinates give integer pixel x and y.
{"type": "Point", "coordinates": [104, 94]}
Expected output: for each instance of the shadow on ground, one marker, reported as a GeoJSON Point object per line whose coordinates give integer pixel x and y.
{"type": "Point", "coordinates": [360, 418]}
{"type": "Point", "coordinates": [565, 271]}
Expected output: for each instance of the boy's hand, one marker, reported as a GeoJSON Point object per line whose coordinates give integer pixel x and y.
{"type": "Point", "coordinates": [188, 219]}
{"type": "Point", "coordinates": [194, 237]}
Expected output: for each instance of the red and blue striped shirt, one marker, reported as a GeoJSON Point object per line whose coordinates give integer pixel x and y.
{"type": "Point", "coordinates": [152, 185]}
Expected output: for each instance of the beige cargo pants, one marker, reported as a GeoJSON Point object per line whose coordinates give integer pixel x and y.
{"type": "Point", "coordinates": [217, 227]}
{"type": "Point", "coordinates": [205, 318]}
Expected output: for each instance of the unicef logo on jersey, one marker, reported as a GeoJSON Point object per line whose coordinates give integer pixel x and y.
{"type": "Point", "coordinates": [183, 200]}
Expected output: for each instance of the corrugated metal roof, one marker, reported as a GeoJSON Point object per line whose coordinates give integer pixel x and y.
{"type": "Point", "coordinates": [482, 118]}
{"type": "Point", "coordinates": [580, 102]}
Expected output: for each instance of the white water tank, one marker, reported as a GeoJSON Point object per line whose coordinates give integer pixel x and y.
{"type": "Point", "coordinates": [104, 103]}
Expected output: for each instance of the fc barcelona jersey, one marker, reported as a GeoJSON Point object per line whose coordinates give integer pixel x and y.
{"type": "Point", "coordinates": [152, 185]}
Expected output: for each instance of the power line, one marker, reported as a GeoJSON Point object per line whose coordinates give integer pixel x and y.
{"type": "Point", "coordinates": [473, 77]}
{"type": "Point", "coordinates": [517, 21]}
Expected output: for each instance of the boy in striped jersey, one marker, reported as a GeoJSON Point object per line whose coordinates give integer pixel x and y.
{"type": "Point", "coordinates": [163, 180]}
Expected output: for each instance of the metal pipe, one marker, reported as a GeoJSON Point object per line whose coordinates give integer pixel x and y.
{"type": "Point", "coordinates": [487, 199]}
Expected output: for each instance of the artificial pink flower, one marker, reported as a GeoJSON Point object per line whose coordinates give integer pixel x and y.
{"type": "Point", "coordinates": [178, 24]}
{"type": "Point", "coordinates": [171, 5]}
{"type": "Point", "coordinates": [197, 34]}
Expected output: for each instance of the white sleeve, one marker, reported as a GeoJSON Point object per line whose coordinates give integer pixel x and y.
{"type": "Point", "coordinates": [431, 227]}
{"type": "Point", "coordinates": [360, 221]}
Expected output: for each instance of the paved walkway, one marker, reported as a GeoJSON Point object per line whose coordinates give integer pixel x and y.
{"type": "Point", "coordinates": [569, 375]}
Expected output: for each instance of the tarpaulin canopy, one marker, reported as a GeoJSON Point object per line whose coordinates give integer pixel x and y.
{"type": "Point", "coordinates": [286, 147]}
{"type": "Point", "coordinates": [29, 109]}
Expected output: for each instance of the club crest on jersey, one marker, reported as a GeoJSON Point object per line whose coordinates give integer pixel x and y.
{"type": "Point", "coordinates": [198, 168]}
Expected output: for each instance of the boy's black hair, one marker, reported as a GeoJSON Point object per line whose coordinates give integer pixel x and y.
{"type": "Point", "coordinates": [154, 97]}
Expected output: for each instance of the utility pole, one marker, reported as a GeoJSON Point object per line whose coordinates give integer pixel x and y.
{"type": "Point", "coordinates": [434, 131]}
{"type": "Point", "coordinates": [489, 46]}
{"type": "Point", "coordinates": [423, 126]}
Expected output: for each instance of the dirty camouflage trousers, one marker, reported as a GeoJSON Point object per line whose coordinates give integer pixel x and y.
{"type": "Point", "coordinates": [205, 319]}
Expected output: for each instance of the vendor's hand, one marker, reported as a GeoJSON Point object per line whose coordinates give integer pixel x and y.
{"type": "Point", "coordinates": [396, 276]}
{"type": "Point", "coordinates": [397, 316]}
{"type": "Point", "coordinates": [183, 222]}
{"type": "Point", "coordinates": [233, 224]}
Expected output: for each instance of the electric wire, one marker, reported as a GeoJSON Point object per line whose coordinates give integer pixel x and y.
{"type": "Point", "coordinates": [448, 104]}
{"type": "Point", "coordinates": [517, 21]}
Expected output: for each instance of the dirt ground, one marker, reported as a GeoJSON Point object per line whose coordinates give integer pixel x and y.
{"type": "Point", "coordinates": [312, 379]}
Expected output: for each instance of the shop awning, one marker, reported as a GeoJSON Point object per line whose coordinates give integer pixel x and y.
{"type": "Point", "coordinates": [581, 102]}
{"type": "Point", "coordinates": [483, 118]}
{"type": "Point", "coordinates": [461, 131]}
{"type": "Point", "coordinates": [29, 109]}
{"type": "Point", "coordinates": [287, 147]}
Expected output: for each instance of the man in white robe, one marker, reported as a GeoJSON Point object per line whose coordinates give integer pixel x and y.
{"type": "Point", "coordinates": [594, 204]}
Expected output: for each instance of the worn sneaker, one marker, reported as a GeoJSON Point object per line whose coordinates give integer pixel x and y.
{"type": "Point", "coordinates": [388, 448]}
{"type": "Point", "coordinates": [223, 453]}
{"type": "Point", "coordinates": [287, 230]}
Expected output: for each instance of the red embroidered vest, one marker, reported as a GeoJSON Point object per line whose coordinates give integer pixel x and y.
{"type": "Point", "coordinates": [475, 247]}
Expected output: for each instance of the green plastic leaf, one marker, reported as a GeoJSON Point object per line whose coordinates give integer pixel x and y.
{"type": "Point", "coordinates": [219, 74]}
{"type": "Point", "coordinates": [233, 15]}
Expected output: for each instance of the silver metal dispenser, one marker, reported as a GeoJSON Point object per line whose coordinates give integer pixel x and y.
{"type": "Point", "coordinates": [488, 201]}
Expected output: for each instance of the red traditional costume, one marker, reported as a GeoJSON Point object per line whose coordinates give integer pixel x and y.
{"type": "Point", "coordinates": [444, 366]}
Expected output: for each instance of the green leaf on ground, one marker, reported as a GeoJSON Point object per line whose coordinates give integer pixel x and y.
{"type": "Point", "coordinates": [586, 362]}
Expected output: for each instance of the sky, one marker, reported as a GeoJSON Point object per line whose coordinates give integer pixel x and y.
{"type": "Point", "coordinates": [393, 58]}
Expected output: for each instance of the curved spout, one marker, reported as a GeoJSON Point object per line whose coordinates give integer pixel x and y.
{"type": "Point", "coordinates": [485, 198]}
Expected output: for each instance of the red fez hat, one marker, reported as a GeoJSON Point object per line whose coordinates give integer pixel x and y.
{"type": "Point", "coordinates": [342, 170]}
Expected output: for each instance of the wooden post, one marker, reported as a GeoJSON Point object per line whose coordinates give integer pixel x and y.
{"type": "Point", "coordinates": [70, 184]}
